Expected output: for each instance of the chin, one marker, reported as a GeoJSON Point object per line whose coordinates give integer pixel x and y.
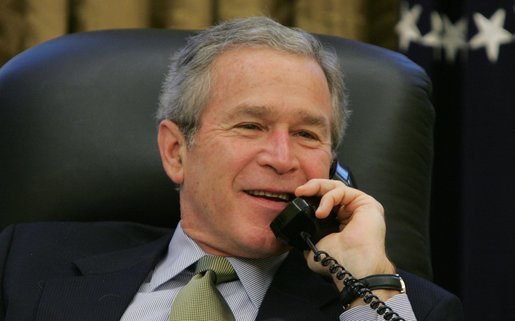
{"type": "Point", "coordinates": [264, 247]}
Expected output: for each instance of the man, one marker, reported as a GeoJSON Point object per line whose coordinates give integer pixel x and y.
{"type": "Point", "coordinates": [251, 115]}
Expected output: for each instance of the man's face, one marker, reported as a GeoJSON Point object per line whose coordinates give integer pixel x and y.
{"type": "Point", "coordinates": [264, 131]}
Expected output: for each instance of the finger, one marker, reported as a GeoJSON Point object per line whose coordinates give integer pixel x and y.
{"type": "Point", "coordinates": [317, 187]}
{"type": "Point", "coordinates": [332, 192]}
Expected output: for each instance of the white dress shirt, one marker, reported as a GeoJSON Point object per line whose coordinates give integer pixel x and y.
{"type": "Point", "coordinates": [244, 295]}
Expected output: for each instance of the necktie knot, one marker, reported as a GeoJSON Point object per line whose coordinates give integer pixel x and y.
{"type": "Point", "coordinates": [200, 300]}
{"type": "Point", "coordinates": [223, 270]}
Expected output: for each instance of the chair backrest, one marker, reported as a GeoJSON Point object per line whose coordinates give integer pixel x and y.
{"type": "Point", "coordinates": [78, 138]}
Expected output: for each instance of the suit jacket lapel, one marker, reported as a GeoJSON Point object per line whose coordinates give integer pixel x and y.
{"type": "Point", "coordinates": [297, 293]}
{"type": "Point", "coordinates": [106, 284]}
{"type": "Point", "coordinates": [104, 287]}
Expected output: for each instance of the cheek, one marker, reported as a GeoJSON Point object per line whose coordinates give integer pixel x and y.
{"type": "Point", "coordinates": [212, 170]}
{"type": "Point", "coordinates": [316, 165]}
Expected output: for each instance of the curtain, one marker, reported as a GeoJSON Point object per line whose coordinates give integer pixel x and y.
{"type": "Point", "coordinates": [25, 23]}
{"type": "Point", "coordinates": [468, 49]}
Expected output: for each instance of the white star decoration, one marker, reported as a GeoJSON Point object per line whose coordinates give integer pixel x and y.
{"type": "Point", "coordinates": [452, 37]}
{"type": "Point", "coordinates": [407, 25]}
{"type": "Point", "coordinates": [433, 38]}
{"type": "Point", "coordinates": [491, 34]}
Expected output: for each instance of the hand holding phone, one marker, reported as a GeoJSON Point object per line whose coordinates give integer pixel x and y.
{"type": "Point", "coordinates": [298, 226]}
{"type": "Point", "coordinates": [298, 218]}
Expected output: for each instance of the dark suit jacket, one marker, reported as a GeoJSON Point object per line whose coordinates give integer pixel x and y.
{"type": "Point", "coordinates": [91, 271]}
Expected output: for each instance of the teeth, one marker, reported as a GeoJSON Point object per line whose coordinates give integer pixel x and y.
{"type": "Point", "coordinates": [283, 197]}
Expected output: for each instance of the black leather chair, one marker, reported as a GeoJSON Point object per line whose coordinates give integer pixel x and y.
{"type": "Point", "coordinates": [78, 138]}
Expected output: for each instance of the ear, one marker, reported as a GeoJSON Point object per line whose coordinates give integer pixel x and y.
{"type": "Point", "coordinates": [172, 147]}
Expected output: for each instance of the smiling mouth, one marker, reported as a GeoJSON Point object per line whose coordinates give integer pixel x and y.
{"type": "Point", "coordinates": [279, 197]}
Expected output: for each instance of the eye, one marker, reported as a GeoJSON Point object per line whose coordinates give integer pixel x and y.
{"type": "Point", "coordinates": [307, 135]}
{"type": "Point", "coordinates": [249, 126]}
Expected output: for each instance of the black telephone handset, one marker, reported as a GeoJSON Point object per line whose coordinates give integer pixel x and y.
{"type": "Point", "coordinates": [298, 218]}
{"type": "Point", "coordinates": [298, 226]}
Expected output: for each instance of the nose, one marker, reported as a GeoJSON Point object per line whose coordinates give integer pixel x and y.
{"type": "Point", "coordinates": [278, 153]}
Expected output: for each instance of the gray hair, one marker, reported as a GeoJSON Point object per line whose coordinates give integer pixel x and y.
{"type": "Point", "coordinates": [186, 90]}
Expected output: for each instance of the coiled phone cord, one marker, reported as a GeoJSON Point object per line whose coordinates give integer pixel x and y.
{"type": "Point", "coordinates": [358, 288]}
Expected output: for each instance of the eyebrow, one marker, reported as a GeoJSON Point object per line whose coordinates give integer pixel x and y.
{"type": "Point", "coordinates": [250, 110]}
{"type": "Point", "coordinates": [262, 111]}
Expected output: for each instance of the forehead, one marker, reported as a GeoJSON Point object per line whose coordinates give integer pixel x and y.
{"type": "Point", "coordinates": [241, 60]}
{"type": "Point", "coordinates": [268, 84]}
{"type": "Point", "coordinates": [264, 72]}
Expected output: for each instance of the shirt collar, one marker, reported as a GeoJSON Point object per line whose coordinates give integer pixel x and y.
{"type": "Point", "coordinates": [255, 274]}
{"type": "Point", "coordinates": [182, 252]}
